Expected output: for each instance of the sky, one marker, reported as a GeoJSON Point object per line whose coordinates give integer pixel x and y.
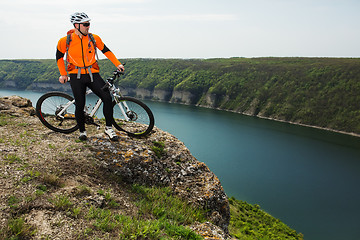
{"type": "Point", "coordinates": [187, 28]}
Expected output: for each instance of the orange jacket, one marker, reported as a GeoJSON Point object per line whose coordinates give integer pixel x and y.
{"type": "Point", "coordinates": [81, 53]}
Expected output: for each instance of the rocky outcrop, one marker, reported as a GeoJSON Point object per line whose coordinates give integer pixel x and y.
{"type": "Point", "coordinates": [175, 167]}
{"type": "Point", "coordinates": [16, 106]}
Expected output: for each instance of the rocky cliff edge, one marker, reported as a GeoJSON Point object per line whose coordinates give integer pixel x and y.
{"type": "Point", "coordinates": [27, 143]}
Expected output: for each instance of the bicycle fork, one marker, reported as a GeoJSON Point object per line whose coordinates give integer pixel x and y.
{"type": "Point", "coordinates": [123, 105]}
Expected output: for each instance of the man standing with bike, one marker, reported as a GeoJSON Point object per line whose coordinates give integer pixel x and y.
{"type": "Point", "coordinates": [81, 66]}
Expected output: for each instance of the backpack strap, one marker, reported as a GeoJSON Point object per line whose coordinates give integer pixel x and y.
{"type": "Point", "coordinates": [68, 40]}
{"type": "Point", "coordinates": [92, 39]}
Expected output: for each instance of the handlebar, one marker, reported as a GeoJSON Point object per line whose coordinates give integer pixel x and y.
{"type": "Point", "coordinates": [109, 81]}
{"type": "Point", "coordinates": [116, 74]}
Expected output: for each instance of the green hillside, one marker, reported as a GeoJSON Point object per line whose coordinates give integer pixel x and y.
{"type": "Point", "coordinates": [322, 92]}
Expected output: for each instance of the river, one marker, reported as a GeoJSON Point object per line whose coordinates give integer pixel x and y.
{"type": "Point", "coordinates": [308, 178]}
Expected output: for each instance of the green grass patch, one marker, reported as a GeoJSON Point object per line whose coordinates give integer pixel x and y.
{"type": "Point", "coordinates": [249, 222]}
{"type": "Point", "coordinates": [13, 158]}
{"type": "Point", "coordinates": [13, 201]}
{"type": "Point", "coordinates": [160, 216]}
{"type": "Point", "coordinates": [158, 148]}
{"type": "Point", "coordinates": [30, 175]}
{"type": "Point", "coordinates": [161, 203]}
{"type": "Point", "coordinates": [136, 227]}
{"type": "Point", "coordinates": [110, 202]}
{"type": "Point", "coordinates": [4, 120]}
{"type": "Point", "coordinates": [17, 229]}
{"type": "Point", "coordinates": [61, 202]}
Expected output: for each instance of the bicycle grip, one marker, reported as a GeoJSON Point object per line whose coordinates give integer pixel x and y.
{"type": "Point", "coordinates": [117, 72]}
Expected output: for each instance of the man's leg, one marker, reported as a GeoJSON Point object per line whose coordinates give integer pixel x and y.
{"type": "Point", "coordinates": [96, 86]}
{"type": "Point", "coordinates": [78, 87]}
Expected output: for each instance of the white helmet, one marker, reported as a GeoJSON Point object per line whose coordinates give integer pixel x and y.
{"type": "Point", "coordinates": [79, 17]}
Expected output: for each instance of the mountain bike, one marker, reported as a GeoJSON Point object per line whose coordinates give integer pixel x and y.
{"type": "Point", "coordinates": [56, 110]}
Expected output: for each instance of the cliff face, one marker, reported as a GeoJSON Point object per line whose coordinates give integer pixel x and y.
{"type": "Point", "coordinates": [134, 161]}
{"type": "Point", "coordinates": [182, 97]}
{"type": "Point", "coordinates": [36, 86]}
{"type": "Point", "coordinates": [31, 155]}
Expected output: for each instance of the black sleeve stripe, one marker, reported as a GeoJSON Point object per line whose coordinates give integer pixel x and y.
{"type": "Point", "coordinates": [59, 54]}
{"type": "Point", "coordinates": [105, 49]}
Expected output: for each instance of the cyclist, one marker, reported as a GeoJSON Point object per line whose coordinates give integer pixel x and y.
{"type": "Point", "coordinates": [82, 68]}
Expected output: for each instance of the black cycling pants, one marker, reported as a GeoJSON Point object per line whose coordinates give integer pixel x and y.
{"type": "Point", "coordinates": [78, 87]}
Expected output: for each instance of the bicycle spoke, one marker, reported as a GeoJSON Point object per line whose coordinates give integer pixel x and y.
{"type": "Point", "coordinates": [51, 112]}
{"type": "Point", "coordinates": [137, 120]}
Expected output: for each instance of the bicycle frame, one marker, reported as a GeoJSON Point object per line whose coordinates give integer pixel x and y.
{"type": "Point", "coordinates": [96, 107]}
{"type": "Point", "coordinates": [98, 104]}
{"type": "Point", "coordinates": [92, 113]}
{"type": "Point", "coordinates": [61, 113]}
{"type": "Point", "coordinates": [116, 93]}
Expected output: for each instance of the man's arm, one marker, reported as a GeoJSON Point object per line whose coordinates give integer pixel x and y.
{"type": "Point", "coordinates": [111, 56]}
{"type": "Point", "coordinates": [60, 61]}
{"type": "Point", "coordinates": [106, 51]}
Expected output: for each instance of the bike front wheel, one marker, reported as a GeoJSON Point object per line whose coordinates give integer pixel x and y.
{"type": "Point", "coordinates": [133, 117]}
{"type": "Point", "coordinates": [56, 110]}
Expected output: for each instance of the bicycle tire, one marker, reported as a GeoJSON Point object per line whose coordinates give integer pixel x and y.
{"type": "Point", "coordinates": [141, 119]}
{"type": "Point", "coordinates": [52, 102]}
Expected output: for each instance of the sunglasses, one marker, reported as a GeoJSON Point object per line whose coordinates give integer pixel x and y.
{"type": "Point", "coordinates": [86, 24]}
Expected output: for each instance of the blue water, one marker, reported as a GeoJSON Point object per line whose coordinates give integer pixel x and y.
{"type": "Point", "coordinates": [306, 177]}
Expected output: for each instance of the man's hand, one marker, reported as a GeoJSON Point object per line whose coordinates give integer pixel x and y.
{"type": "Point", "coordinates": [121, 68]}
{"type": "Point", "coordinates": [63, 78]}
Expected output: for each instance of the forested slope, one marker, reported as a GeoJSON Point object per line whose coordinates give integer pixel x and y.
{"type": "Point", "coordinates": [322, 92]}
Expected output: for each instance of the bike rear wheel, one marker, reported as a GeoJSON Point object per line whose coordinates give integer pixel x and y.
{"type": "Point", "coordinates": [139, 120]}
{"type": "Point", "coordinates": [48, 108]}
